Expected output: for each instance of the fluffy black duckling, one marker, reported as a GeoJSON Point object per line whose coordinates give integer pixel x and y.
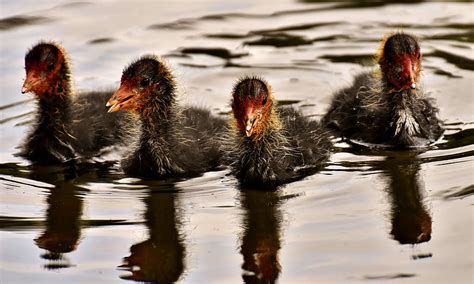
{"type": "Point", "coordinates": [67, 126]}
{"type": "Point", "coordinates": [388, 107]}
{"type": "Point", "coordinates": [173, 141]}
{"type": "Point", "coordinates": [266, 146]}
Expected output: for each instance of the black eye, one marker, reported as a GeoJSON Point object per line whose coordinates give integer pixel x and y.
{"type": "Point", "coordinates": [50, 66]}
{"type": "Point", "coordinates": [264, 100]}
{"type": "Point", "coordinates": [144, 82]}
{"type": "Point", "coordinates": [419, 55]}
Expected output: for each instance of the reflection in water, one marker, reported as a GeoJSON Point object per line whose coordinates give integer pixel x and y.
{"type": "Point", "coordinates": [261, 239]}
{"type": "Point", "coordinates": [411, 222]}
{"type": "Point", "coordinates": [62, 225]}
{"type": "Point", "coordinates": [160, 258]}
{"type": "Point", "coordinates": [63, 228]}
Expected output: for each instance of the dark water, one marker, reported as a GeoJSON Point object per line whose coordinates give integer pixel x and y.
{"type": "Point", "coordinates": [366, 217]}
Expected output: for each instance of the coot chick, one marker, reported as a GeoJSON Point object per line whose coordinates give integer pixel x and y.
{"type": "Point", "coordinates": [268, 146]}
{"type": "Point", "coordinates": [67, 126]}
{"type": "Point", "coordinates": [388, 107]}
{"type": "Point", "coordinates": [173, 141]}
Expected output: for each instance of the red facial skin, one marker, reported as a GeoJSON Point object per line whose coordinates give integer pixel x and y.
{"type": "Point", "coordinates": [41, 81]}
{"type": "Point", "coordinates": [131, 97]}
{"type": "Point", "coordinates": [251, 115]}
{"type": "Point", "coordinates": [403, 71]}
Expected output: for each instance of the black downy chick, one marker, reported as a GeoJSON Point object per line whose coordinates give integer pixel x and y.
{"type": "Point", "coordinates": [67, 126]}
{"type": "Point", "coordinates": [174, 141]}
{"type": "Point", "coordinates": [268, 146]}
{"type": "Point", "coordinates": [388, 107]}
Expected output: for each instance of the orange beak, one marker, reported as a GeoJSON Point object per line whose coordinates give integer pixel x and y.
{"type": "Point", "coordinates": [120, 98]}
{"type": "Point", "coordinates": [32, 79]}
{"type": "Point", "coordinates": [408, 72]}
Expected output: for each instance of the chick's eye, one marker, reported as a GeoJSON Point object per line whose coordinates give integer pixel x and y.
{"type": "Point", "coordinates": [144, 82]}
{"type": "Point", "coordinates": [419, 55]}
{"type": "Point", "coordinates": [264, 101]}
{"type": "Point", "coordinates": [50, 66]}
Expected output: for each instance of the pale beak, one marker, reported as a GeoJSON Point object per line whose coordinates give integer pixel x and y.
{"type": "Point", "coordinates": [249, 122]}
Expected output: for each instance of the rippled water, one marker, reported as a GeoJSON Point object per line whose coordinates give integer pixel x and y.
{"type": "Point", "coordinates": [366, 217]}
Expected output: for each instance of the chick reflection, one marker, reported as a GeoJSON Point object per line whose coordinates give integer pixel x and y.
{"type": "Point", "coordinates": [411, 222]}
{"type": "Point", "coordinates": [261, 239]}
{"type": "Point", "coordinates": [160, 258]}
{"type": "Point", "coordinates": [63, 228]}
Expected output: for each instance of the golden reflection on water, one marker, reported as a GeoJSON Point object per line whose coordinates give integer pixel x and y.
{"type": "Point", "coordinates": [161, 257]}
{"type": "Point", "coordinates": [410, 219]}
{"type": "Point", "coordinates": [261, 236]}
{"type": "Point", "coordinates": [63, 215]}
{"type": "Point", "coordinates": [63, 229]}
